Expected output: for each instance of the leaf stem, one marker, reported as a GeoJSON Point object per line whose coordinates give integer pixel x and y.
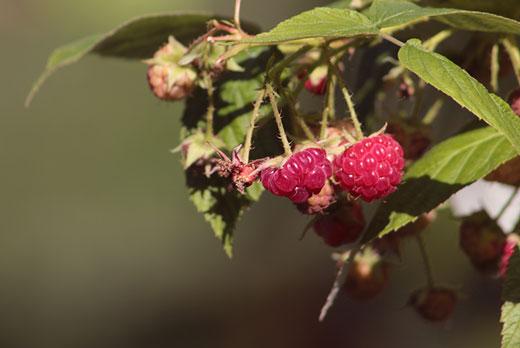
{"type": "Point", "coordinates": [391, 39]}
{"type": "Point", "coordinates": [426, 260]}
{"type": "Point", "coordinates": [278, 119]}
{"type": "Point", "coordinates": [249, 134]}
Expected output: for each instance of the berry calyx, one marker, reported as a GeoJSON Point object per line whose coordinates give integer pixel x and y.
{"type": "Point", "coordinates": [434, 304]}
{"type": "Point", "coordinates": [483, 242]}
{"type": "Point", "coordinates": [343, 226]}
{"type": "Point", "coordinates": [169, 80]}
{"type": "Point", "coordinates": [317, 203]}
{"type": "Point", "coordinates": [371, 168]}
{"type": "Point", "coordinates": [367, 277]}
{"type": "Point", "coordinates": [302, 175]}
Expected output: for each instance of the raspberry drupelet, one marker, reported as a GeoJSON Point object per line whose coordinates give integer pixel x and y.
{"type": "Point", "coordinates": [304, 174]}
{"type": "Point", "coordinates": [371, 168]}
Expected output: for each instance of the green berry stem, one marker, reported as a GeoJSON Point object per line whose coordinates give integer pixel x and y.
{"type": "Point", "coordinates": [348, 99]}
{"type": "Point", "coordinates": [495, 67]}
{"type": "Point", "coordinates": [426, 260]}
{"type": "Point", "coordinates": [511, 47]}
{"type": "Point", "coordinates": [211, 106]}
{"type": "Point", "coordinates": [237, 15]}
{"type": "Point", "coordinates": [418, 100]}
{"type": "Point", "coordinates": [250, 129]}
{"type": "Point", "coordinates": [328, 110]}
{"type": "Point", "coordinates": [278, 68]}
{"type": "Point", "coordinates": [436, 39]}
{"type": "Point", "coordinates": [278, 119]}
{"type": "Point", "coordinates": [507, 204]}
{"type": "Point", "coordinates": [433, 111]}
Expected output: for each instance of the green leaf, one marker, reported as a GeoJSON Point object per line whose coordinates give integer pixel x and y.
{"type": "Point", "coordinates": [319, 22]}
{"type": "Point", "coordinates": [511, 288]}
{"type": "Point", "coordinates": [221, 207]}
{"type": "Point", "coordinates": [442, 171]}
{"type": "Point", "coordinates": [446, 76]}
{"type": "Point", "coordinates": [138, 38]}
{"type": "Point", "coordinates": [391, 13]}
{"type": "Point", "coordinates": [511, 330]}
{"type": "Point", "coordinates": [235, 94]}
{"type": "Point", "coordinates": [386, 14]}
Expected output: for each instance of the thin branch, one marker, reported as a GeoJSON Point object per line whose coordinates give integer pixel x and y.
{"type": "Point", "coordinates": [249, 135]}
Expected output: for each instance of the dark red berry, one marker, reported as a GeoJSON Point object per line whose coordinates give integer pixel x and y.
{"type": "Point", "coordinates": [434, 304]}
{"type": "Point", "coordinates": [367, 277]}
{"type": "Point", "coordinates": [413, 140]}
{"type": "Point", "coordinates": [342, 226]}
{"type": "Point", "coordinates": [371, 168]}
{"type": "Point", "coordinates": [483, 242]}
{"type": "Point", "coordinates": [304, 174]}
{"type": "Point", "coordinates": [507, 173]}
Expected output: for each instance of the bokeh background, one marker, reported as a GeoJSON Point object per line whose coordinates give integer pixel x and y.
{"type": "Point", "coordinates": [100, 246]}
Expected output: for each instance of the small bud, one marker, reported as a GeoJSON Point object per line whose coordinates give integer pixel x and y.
{"type": "Point", "coordinates": [367, 277]}
{"type": "Point", "coordinates": [167, 79]}
{"type": "Point", "coordinates": [434, 304]}
{"type": "Point", "coordinates": [483, 241]}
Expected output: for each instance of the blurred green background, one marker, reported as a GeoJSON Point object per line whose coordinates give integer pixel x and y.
{"type": "Point", "coordinates": [100, 247]}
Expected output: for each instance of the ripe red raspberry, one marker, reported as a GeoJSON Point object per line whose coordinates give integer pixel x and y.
{"type": "Point", "coordinates": [434, 304]}
{"type": "Point", "coordinates": [316, 82]}
{"type": "Point", "coordinates": [318, 202]}
{"type": "Point", "coordinates": [367, 277]}
{"type": "Point", "coordinates": [167, 79]}
{"type": "Point", "coordinates": [343, 226]}
{"type": "Point", "coordinates": [303, 174]}
{"type": "Point", "coordinates": [371, 168]}
{"type": "Point", "coordinates": [483, 241]}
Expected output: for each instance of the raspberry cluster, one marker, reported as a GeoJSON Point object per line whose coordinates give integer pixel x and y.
{"type": "Point", "coordinates": [304, 174]}
{"type": "Point", "coordinates": [371, 168]}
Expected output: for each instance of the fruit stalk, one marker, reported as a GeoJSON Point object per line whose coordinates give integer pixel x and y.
{"type": "Point", "coordinates": [426, 261]}
{"type": "Point", "coordinates": [249, 135]}
{"type": "Point", "coordinates": [278, 118]}
{"type": "Point", "coordinates": [348, 99]}
{"type": "Point", "coordinates": [211, 106]}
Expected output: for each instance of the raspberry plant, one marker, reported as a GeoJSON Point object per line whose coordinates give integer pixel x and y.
{"type": "Point", "coordinates": [246, 126]}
